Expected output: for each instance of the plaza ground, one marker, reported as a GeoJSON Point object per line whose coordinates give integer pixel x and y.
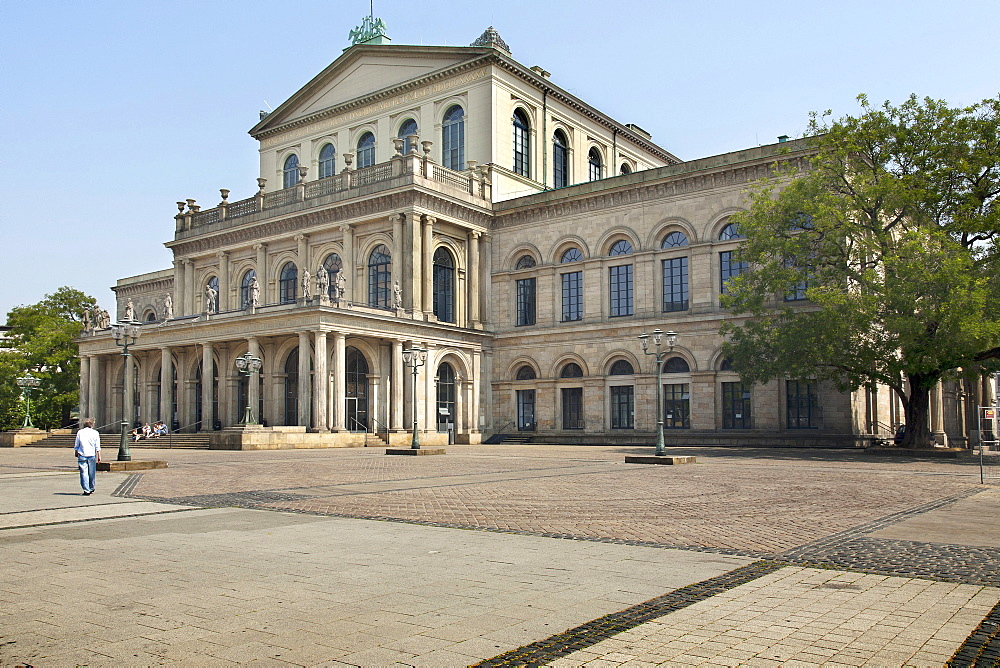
{"type": "Point", "coordinates": [504, 555]}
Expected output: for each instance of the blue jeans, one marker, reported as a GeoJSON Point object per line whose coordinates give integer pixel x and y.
{"type": "Point", "coordinates": [88, 472]}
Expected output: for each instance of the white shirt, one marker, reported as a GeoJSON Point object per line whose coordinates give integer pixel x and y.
{"type": "Point", "coordinates": [88, 442]}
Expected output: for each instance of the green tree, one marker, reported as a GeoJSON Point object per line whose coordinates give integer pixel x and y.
{"type": "Point", "coordinates": [892, 231]}
{"type": "Point", "coordinates": [42, 342]}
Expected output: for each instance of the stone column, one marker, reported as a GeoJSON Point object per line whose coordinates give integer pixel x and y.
{"type": "Point", "coordinates": [484, 255]}
{"type": "Point", "coordinates": [475, 378]}
{"type": "Point", "coordinates": [398, 378]}
{"type": "Point", "coordinates": [302, 255]}
{"type": "Point", "coordinates": [128, 407]}
{"type": "Point", "coordinates": [429, 370]}
{"type": "Point", "coordinates": [261, 270]}
{"type": "Point", "coordinates": [305, 352]}
{"type": "Point", "coordinates": [473, 292]}
{"type": "Point", "coordinates": [349, 265]}
{"type": "Point", "coordinates": [427, 263]}
{"type": "Point", "coordinates": [178, 287]}
{"type": "Point", "coordinates": [207, 387]}
{"type": "Point", "coordinates": [253, 381]}
{"type": "Point", "coordinates": [84, 387]}
{"type": "Point", "coordinates": [166, 387]}
{"type": "Point", "coordinates": [410, 280]}
{"type": "Point", "coordinates": [94, 399]}
{"type": "Point", "coordinates": [224, 300]}
{"type": "Point", "coordinates": [397, 236]}
{"type": "Point", "coordinates": [191, 294]}
{"type": "Point", "coordinates": [320, 383]}
{"type": "Point", "coordinates": [339, 381]}
{"type": "Point", "coordinates": [937, 414]}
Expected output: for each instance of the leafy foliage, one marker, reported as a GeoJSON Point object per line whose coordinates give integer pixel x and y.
{"type": "Point", "coordinates": [42, 343]}
{"type": "Point", "coordinates": [893, 229]}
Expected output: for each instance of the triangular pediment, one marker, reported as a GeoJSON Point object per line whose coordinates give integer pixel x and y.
{"type": "Point", "coordinates": [363, 71]}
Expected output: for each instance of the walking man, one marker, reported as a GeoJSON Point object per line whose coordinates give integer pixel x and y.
{"type": "Point", "coordinates": [88, 454]}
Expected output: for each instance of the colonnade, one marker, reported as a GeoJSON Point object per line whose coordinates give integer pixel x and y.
{"type": "Point", "coordinates": [342, 383]}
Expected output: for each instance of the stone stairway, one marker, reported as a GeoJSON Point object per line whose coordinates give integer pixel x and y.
{"type": "Point", "coordinates": [199, 440]}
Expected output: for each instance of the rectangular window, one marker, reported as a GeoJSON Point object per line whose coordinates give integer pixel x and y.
{"type": "Point", "coordinates": [572, 296]}
{"type": "Point", "coordinates": [525, 302]}
{"type": "Point", "coordinates": [802, 402]}
{"type": "Point", "coordinates": [735, 406]}
{"type": "Point", "coordinates": [621, 290]}
{"type": "Point", "coordinates": [677, 406]}
{"type": "Point", "coordinates": [798, 291]}
{"type": "Point", "coordinates": [729, 268]}
{"type": "Point", "coordinates": [675, 284]}
{"type": "Point", "coordinates": [622, 402]}
{"type": "Point", "coordinates": [572, 408]}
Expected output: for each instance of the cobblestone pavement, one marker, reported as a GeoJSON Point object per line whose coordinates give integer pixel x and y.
{"type": "Point", "coordinates": [830, 551]}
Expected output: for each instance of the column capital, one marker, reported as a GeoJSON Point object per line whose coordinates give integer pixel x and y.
{"type": "Point", "coordinates": [222, 255]}
{"type": "Point", "coordinates": [475, 234]}
{"type": "Point", "coordinates": [301, 237]}
{"type": "Point", "coordinates": [259, 246]}
{"type": "Point", "coordinates": [428, 220]}
{"type": "Point", "coordinates": [345, 228]}
{"type": "Point", "coordinates": [396, 218]}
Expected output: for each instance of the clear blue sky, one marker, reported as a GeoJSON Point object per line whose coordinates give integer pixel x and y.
{"type": "Point", "coordinates": [111, 110]}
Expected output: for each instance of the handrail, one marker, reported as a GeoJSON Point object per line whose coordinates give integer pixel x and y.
{"type": "Point", "coordinates": [385, 427]}
{"type": "Point", "coordinates": [355, 421]}
{"type": "Point", "coordinates": [510, 423]}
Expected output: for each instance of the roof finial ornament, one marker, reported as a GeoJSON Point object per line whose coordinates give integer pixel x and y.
{"type": "Point", "coordinates": [371, 30]}
{"type": "Point", "coordinates": [491, 38]}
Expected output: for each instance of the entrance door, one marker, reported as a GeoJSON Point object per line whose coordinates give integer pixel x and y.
{"type": "Point", "coordinates": [357, 391]}
{"type": "Point", "coordinates": [526, 410]}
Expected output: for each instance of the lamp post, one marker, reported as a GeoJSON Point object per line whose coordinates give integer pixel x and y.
{"type": "Point", "coordinates": [415, 357]}
{"type": "Point", "coordinates": [660, 355]}
{"type": "Point", "coordinates": [248, 365]}
{"type": "Point", "coordinates": [125, 334]}
{"type": "Point", "coordinates": [27, 383]}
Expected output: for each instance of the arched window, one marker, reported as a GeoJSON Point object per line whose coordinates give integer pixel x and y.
{"type": "Point", "coordinates": [290, 172]}
{"type": "Point", "coordinates": [525, 262]}
{"type": "Point", "coordinates": [446, 413]}
{"type": "Point", "coordinates": [333, 265]}
{"type": "Point", "coordinates": [625, 169]}
{"type": "Point", "coordinates": [287, 283]}
{"type": "Point", "coordinates": [366, 150]}
{"type": "Point", "coordinates": [674, 240]}
{"type": "Point", "coordinates": [212, 284]}
{"type": "Point", "coordinates": [409, 127]}
{"type": "Point", "coordinates": [571, 255]}
{"type": "Point", "coordinates": [522, 144]}
{"type": "Point", "coordinates": [444, 285]}
{"type": "Point", "coordinates": [594, 165]}
{"type": "Point", "coordinates": [327, 161]}
{"type": "Point", "coordinates": [151, 316]}
{"type": "Point", "coordinates": [525, 373]}
{"type": "Point", "coordinates": [621, 368]}
{"type": "Point", "coordinates": [453, 139]}
{"type": "Point", "coordinates": [560, 160]}
{"type": "Point", "coordinates": [676, 365]}
{"type": "Point", "coordinates": [571, 370]}
{"type": "Point", "coordinates": [730, 231]}
{"type": "Point", "coordinates": [620, 247]}
{"type": "Point", "coordinates": [726, 365]}
{"type": "Point", "coordinates": [248, 277]}
{"type": "Point", "coordinates": [380, 277]}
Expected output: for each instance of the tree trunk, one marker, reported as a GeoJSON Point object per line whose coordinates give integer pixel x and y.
{"type": "Point", "coordinates": [916, 410]}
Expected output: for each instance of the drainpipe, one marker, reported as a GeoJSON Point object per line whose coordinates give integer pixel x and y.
{"type": "Point", "coordinates": [545, 140]}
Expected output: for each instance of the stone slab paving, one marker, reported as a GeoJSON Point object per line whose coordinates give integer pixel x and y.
{"type": "Point", "coordinates": [231, 580]}
{"type": "Point", "coordinates": [806, 617]}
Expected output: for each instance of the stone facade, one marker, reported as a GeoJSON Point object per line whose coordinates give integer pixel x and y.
{"type": "Point", "coordinates": [445, 194]}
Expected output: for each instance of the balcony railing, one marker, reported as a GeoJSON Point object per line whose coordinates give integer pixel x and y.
{"type": "Point", "coordinates": [474, 182]}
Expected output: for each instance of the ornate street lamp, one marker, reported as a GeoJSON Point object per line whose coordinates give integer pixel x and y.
{"type": "Point", "coordinates": [125, 334]}
{"type": "Point", "coordinates": [27, 383]}
{"type": "Point", "coordinates": [658, 336]}
{"type": "Point", "coordinates": [415, 357]}
{"type": "Point", "coordinates": [248, 365]}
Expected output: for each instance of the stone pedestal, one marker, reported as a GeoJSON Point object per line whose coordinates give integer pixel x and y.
{"type": "Point", "coordinates": [414, 453]}
{"type": "Point", "coordinates": [653, 459]}
{"type": "Point", "coordinates": [145, 465]}
{"type": "Point", "coordinates": [17, 438]}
